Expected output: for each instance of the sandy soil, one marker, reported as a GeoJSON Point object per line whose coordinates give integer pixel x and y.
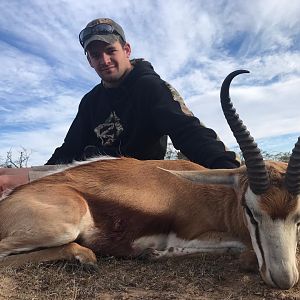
{"type": "Point", "coordinates": [203, 277]}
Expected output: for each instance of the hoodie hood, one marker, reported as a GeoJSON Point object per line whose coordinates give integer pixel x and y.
{"type": "Point", "coordinates": [141, 68]}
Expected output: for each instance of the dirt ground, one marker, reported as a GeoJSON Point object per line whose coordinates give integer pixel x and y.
{"type": "Point", "coordinates": [203, 277]}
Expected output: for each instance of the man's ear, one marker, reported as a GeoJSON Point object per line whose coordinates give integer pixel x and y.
{"type": "Point", "coordinates": [127, 49]}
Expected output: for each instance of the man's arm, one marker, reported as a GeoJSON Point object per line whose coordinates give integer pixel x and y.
{"type": "Point", "coordinates": [199, 143]}
{"type": "Point", "coordinates": [74, 142]}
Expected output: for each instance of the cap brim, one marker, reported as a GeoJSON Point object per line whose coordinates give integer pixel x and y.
{"type": "Point", "coordinates": [108, 38]}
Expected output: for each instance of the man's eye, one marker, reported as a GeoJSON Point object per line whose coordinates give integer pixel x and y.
{"type": "Point", "coordinates": [95, 56]}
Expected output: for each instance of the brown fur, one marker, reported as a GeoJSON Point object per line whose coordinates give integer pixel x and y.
{"type": "Point", "coordinates": [277, 201]}
{"type": "Point", "coordinates": [106, 205]}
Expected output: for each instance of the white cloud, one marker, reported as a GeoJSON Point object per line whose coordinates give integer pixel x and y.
{"type": "Point", "coordinates": [193, 44]}
{"type": "Point", "coordinates": [21, 71]}
{"type": "Point", "coordinates": [40, 143]}
{"type": "Point", "coordinates": [266, 110]}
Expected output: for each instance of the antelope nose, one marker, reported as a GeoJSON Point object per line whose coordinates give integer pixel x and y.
{"type": "Point", "coordinates": [285, 281]}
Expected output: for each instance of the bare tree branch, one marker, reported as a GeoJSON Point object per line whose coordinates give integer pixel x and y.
{"type": "Point", "coordinates": [20, 162]}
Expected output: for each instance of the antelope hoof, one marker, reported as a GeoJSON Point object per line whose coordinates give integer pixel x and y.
{"type": "Point", "coordinates": [87, 258]}
{"type": "Point", "coordinates": [85, 255]}
{"type": "Point", "coordinates": [148, 254]}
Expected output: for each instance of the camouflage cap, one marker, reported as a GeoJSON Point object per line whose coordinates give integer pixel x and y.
{"type": "Point", "coordinates": [93, 33]}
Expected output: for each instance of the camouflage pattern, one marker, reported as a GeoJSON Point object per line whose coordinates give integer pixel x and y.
{"type": "Point", "coordinates": [177, 97]}
{"type": "Point", "coordinates": [115, 25]}
{"type": "Point", "coordinates": [108, 38]}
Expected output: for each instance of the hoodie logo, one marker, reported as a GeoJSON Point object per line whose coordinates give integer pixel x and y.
{"type": "Point", "coordinates": [109, 130]}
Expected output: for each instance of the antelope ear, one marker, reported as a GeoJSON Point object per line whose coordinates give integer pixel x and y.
{"type": "Point", "coordinates": [215, 176]}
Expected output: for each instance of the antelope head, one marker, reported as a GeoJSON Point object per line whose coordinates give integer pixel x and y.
{"type": "Point", "coordinates": [271, 202]}
{"type": "Point", "coordinates": [268, 196]}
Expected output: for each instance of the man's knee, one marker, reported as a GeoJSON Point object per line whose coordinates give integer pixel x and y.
{"type": "Point", "coordinates": [9, 182]}
{"type": "Point", "coordinates": [13, 171]}
{"type": "Point", "coordinates": [6, 181]}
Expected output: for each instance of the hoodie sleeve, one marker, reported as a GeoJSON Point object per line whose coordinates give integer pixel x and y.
{"type": "Point", "coordinates": [197, 142]}
{"type": "Point", "coordinates": [74, 141]}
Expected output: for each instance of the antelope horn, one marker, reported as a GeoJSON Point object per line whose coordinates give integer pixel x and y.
{"type": "Point", "coordinates": [256, 170]}
{"type": "Point", "coordinates": [292, 176]}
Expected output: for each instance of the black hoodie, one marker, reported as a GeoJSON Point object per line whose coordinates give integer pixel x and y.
{"type": "Point", "coordinates": [134, 120]}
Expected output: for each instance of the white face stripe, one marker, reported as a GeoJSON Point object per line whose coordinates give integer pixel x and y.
{"type": "Point", "coordinates": [255, 243]}
{"type": "Point", "coordinates": [252, 203]}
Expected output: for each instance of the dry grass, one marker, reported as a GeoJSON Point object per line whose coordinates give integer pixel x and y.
{"type": "Point", "coordinates": [203, 277]}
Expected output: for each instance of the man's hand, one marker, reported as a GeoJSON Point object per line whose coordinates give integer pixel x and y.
{"type": "Point", "coordinates": [11, 178]}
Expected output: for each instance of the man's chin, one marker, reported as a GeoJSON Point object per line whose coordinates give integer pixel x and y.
{"type": "Point", "coordinates": [111, 81]}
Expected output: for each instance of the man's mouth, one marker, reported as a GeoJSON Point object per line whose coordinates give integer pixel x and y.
{"type": "Point", "coordinates": [107, 68]}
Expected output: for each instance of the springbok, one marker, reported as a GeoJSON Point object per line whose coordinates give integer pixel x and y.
{"type": "Point", "coordinates": [130, 208]}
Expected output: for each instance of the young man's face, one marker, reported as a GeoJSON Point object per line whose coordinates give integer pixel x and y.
{"type": "Point", "coordinates": [110, 61]}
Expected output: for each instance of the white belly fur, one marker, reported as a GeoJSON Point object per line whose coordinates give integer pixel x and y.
{"type": "Point", "coordinates": [170, 245]}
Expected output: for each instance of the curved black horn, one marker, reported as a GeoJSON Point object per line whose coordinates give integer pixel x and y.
{"type": "Point", "coordinates": [292, 176]}
{"type": "Point", "coordinates": [256, 169]}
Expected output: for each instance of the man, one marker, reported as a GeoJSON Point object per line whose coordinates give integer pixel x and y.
{"type": "Point", "coordinates": [130, 113]}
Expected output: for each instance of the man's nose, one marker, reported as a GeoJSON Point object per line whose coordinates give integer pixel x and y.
{"type": "Point", "coordinates": [104, 58]}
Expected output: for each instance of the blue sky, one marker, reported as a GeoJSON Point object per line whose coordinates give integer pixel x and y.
{"type": "Point", "coordinates": [192, 44]}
